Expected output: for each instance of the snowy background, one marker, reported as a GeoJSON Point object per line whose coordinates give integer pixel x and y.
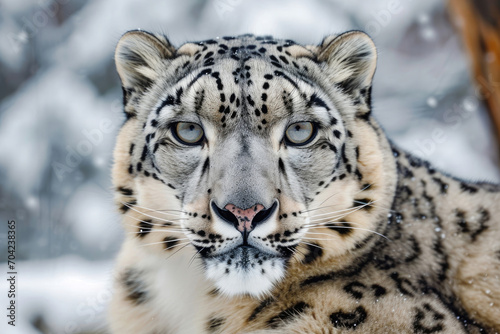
{"type": "Point", "coordinates": [60, 109]}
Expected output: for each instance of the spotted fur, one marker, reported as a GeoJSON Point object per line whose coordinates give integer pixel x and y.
{"type": "Point", "coordinates": [348, 232]}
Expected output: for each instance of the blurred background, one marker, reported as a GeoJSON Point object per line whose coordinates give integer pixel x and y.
{"type": "Point", "coordinates": [435, 92]}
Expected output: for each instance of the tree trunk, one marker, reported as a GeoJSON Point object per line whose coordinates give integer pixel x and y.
{"type": "Point", "coordinates": [479, 24]}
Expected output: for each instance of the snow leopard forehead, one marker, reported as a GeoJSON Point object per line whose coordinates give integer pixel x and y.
{"type": "Point", "coordinates": [246, 81]}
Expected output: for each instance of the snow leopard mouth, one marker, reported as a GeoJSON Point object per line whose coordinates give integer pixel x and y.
{"type": "Point", "coordinates": [245, 270]}
{"type": "Point", "coordinates": [245, 257]}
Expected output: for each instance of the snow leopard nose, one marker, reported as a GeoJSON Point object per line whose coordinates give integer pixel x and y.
{"type": "Point", "coordinates": [244, 216]}
{"type": "Point", "coordinates": [244, 220]}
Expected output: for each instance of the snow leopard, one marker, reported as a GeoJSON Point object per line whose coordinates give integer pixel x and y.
{"type": "Point", "coordinates": [259, 194]}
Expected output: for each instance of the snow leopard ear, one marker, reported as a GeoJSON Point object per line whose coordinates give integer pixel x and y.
{"type": "Point", "coordinates": [140, 57]}
{"type": "Point", "coordinates": [351, 59]}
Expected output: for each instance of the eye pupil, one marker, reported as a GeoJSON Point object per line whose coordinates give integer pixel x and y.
{"type": "Point", "coordinates": [299, 134]}
{"type": "Point", "coordinates": [188, 133]}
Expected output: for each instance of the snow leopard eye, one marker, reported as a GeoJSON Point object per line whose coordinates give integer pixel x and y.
{"type": "Point", "coordinates": [188, 133]}
{"type": "Point", "coordinates": [300, 133]}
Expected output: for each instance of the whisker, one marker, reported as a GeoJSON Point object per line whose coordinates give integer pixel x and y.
{"type": "Point", "coordinates": [185, 245]}
{"type": "Point", "coordinates": [160, 219]}
{"type": "Point", "coordinates": [376, 206]}
{"type": "Point", "coordinates": [329, 198]}
{"type": "Point", "coordinates": [336, 217]}
{"type": "Point", "coordinates": [354, 209]}
{"type": "Point", "coordinates": [163, 242]}
{"type": "Point", "coordinates": [295, 251]}
{"type": "Point", "coordinates": [156, 231]}
{"type": "Point", "coordinates": [166, 228]}
{"type": "Point", "coordinates": [314, 245]}
{"type": "Point", "coordinates": [151, 223]}
{"type": "Point", "coordinates": [319, 207]}
{"type": "Point", "coordinates": [143, 207]}
{"type": "Point", "coordinates": [329, 223]}
{"type": "Point", "coordinates": [355, 228]}
{"type": "Point", "coordinates": [333, 212]}
{"type": "Point", "coordinates": [321, 239]}
{"type": "Point", "coordinates": [182, 243]}
{"type": "Point", "coordinates": [194, 256]}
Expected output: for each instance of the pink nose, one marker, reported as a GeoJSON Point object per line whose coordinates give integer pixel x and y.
{"type": "Point", "coordinates": [244, 216]}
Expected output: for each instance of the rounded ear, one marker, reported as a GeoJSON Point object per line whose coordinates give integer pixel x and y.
{"type": "Point", "coordinates": [139, 57]}
{"type": "Point", "coordinates": [351, 59]}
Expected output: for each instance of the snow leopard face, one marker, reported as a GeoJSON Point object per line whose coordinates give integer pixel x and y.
{"type": "Point", "coordinates": [248, 149]}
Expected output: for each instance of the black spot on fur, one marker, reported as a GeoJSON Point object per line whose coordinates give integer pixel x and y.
{"type": "Point", "coordinates": [442, 185]}
{"type": "Point", "coordinates": [214, 324]}
{"type": "Point", "coordinates": [350, 320]}
{"type": "Point", "coordinates": [264, 304]}
{"type": "Point", "coordinates": [415, 250]}
{"type": "Point", "coordinates": [287, 78]}
{"type": "Point", "coordinates": [145, 227]}
{"type": "Point", "coordinates": [169, 101]}
{"type": "Point", "coordinates": [287, 315]}
{"type": "Point", "coordinates": [125, 191]}
{"type": "Point", "coordinates": [365, 203]}
{"type": "Point", "coordinates": [427, 320]}
{"type": "Point", "coordinates": [144, 153]}
{"type": "Point", "coordinates": [403, 284]}
{"type": "Point", "coordinates": [281, 166]}
{"type": "Point", "coordinates": [314, 251]}
{"type": "Point", "coordinates": [341, 228]}
{"type": "Point", "coordinates": [468, 188]}
{"type": "Point", "coordinates": [414, 161]}
{"type": "Point", "coordinates": [484, 217]}
{"type": "Point", "coordinates": [135, 288]}
{"type": "Point", "coordinates": [405, 171]}
{"type": "Point", "coordinates": [385, 262]}
{"type": "Point", "coordinates": [354, 289]}
{"type": "Point", "coordinates": [316, 101]}
{"type": "Point", "coordinates": [169, 242]}
{"type": "Point", "coordinates": [206, 164]}
{"type": "Point", "coordinates": [378, 290]}
{"type": "Point", "coordinates": [126, 206]}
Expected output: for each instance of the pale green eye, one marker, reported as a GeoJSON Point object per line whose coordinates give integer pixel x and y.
{"type": "Point", "coordinates": [300, 133]}
{"type": "Point", "coordinates": [188, 133]}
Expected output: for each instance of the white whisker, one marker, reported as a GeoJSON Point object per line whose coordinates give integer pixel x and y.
{"type": "Point", "coordinates": [185, 245]}
{"type": "Point", "coordinates": [164, 242]}
{"type": "Point", "coordinates": [160, 219]}
{"type": "Point", "coordinates": [314, 245]}
{"type": "Point", "coordinates": [154, 224]}
{"type": "Point", "coordinates": [355, 228]}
